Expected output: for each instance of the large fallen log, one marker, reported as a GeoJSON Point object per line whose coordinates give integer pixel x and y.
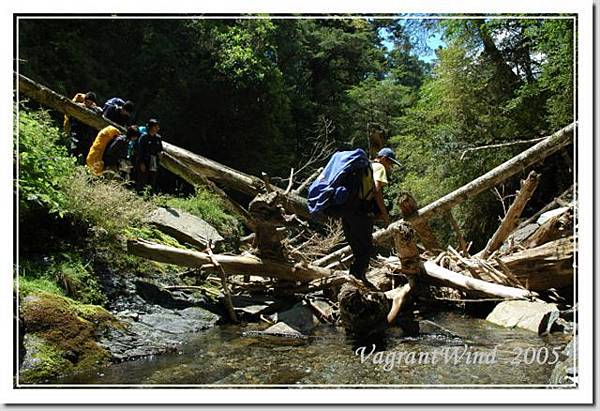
{"type": "Point", "coordinates": [443, 276]}
{"type": "Point", "coordinates": [217, 172]}
{"type": "Point", "coordinates": [62, 104]}
{"type": "Point", "coordinates": [534, 154]}
{"type": "Point", "coordinates": [249, 265]}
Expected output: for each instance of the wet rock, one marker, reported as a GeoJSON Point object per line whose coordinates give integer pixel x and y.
{"type": "Point", "coordinates": [282, 329]}
{"type": "Point", "coordinates": [161, 331]}
{"type": "Point", "coordinates": [251, 306]}
{"type": "Point", "coordinates": [534, 316]}
{"type": "Point", "coordinates": [184, 227]}
{"type": "Point", "coordinates": [300, 317]}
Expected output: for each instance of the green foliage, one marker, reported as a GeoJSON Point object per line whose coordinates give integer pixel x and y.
{"type": "Point", "coordinates": [43, 164]}
{"type": "Point", "coordinates": [206, 205]}
{"type": "Point", "coordinates": [106, 205]}
{"type": "Point", "coordinates": [62, 274]}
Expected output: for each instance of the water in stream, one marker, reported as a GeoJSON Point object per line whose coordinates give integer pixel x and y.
{"type": "Point", "coordinates": [223, 355]}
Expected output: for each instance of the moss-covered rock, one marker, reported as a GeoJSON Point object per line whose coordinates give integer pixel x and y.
{"type": "Point", "coordinates": [61, 336]}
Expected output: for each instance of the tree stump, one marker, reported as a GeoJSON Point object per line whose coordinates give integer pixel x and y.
{"type": "Point", "coordinates": [363, 312]}
{"type": "Point", "coordinates": [267, 215]}
{"type": "Point", "coordinates": [409, 208]}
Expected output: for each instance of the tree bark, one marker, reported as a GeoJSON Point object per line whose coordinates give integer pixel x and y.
{"type": "Point", "coordinates": [231, 264]}
{"type": "Point", "coordinates": [549, 265]}
{"type": "Point", "coordinates": [504, 171]}
{"type": "Point", "coordinates": [509, 223]}
{"type": "Point", "coordinates": [406, 249]}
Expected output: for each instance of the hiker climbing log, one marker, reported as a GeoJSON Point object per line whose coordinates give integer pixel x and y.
{"type": "Point", "coordinates": [286, 201]}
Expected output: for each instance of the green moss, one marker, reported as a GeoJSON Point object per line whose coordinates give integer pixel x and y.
{"type": "Point", "coordinates": [48, 362]}
{"type": "Point", "coordinates": [65, 326]}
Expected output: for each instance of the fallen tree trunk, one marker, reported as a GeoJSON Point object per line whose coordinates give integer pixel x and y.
{"type": "Point", "coordinates": [217, 172]}
{"type": "Point", "coordinates": [442, 276]}
{"type": "Point", "coordinates": [538, 152]}
{"type": "Point", "coordinates": [178, 168]}
{"type": "Point", "coordinates": [509, 223]}
{"type": "Point", "coordinates": [249, 265]}
{"type": "Point", "coordinates": [549, 265]}
{"type": "Point", "coordinates": [62, 104]}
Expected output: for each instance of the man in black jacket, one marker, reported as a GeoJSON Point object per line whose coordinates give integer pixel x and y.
{"type": "Point", "coordinates": [115, 156]}
{"type": "Point", "coordinates": [149, 147]}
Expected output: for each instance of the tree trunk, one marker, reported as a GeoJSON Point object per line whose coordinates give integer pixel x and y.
{"type": "Point", "coordinates": [442, 276]}
{"type": "Point", "coordinates": [55, 101]}
{"type": "Point", "coordinates": [406, 248]}
{"type": "Point", "coordinates": [231, 264]}
{"type": "Point", "coordinates": [217, 172]}
{"type": "Point", "coordinates": [504, 171]}
{"type": "Point", "coordinates": [547, 266]}
{"type": "Point", "coordinates": [363, 312]}
{"type": "Point", "coordinates": [509, 223]}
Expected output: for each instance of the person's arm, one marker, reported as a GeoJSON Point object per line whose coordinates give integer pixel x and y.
{"type": "Point", "coordinates": [383, 213]}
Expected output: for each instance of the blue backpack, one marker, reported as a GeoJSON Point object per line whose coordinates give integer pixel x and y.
{"type": "Point", "coordinates": [345, 184]}
{"type": "Point", "coordinates": [112, 102]}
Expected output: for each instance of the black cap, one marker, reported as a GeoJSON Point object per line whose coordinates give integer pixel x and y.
{"type": "Point", "coordinates": [152, 122]}
{"type": "Point", "coordinates": [90, 95]}
{"type": "Point", "coordinates": [128, 106]}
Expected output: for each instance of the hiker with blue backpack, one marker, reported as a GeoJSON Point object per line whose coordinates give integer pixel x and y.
{"type": "Point", "coordinates": [351, 188]}
{"type": "Point", "coordinates": [117, 110]}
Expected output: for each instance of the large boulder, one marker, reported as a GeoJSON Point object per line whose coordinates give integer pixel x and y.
{"type": "Point", "coordinates": [530, 315]}
{"type": "Point", "coordinates": [184, 227]}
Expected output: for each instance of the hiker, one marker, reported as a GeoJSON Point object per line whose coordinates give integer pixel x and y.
{"type": "Point", "coordinates": [148, 148]}
{"type": "Point", "coordinates": [81, 135]}
{"type": "Point", "coordinates": [94, 158]}
{"type": "Point", "coordinates": [351, 187]}
{"type": "Point", "coordinates": [358, 222]}
{"type": "Point", "coordinates": [116, 156]}
{"type": "Point", "coordinates": [118, 111]}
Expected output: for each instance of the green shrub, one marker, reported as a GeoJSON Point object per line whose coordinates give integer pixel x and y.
{"type": "Point", "coordinates": [106, 205]}
{"type": "Point", "coordinates": [63, 274]}
{"type": "Point", "coordinates": [43, 164]}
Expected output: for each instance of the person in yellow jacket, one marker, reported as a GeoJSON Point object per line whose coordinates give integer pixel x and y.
{"type": "Point", "coordinates": [94, 157]}
{"type": "Point", "coordinates": [81, 135]}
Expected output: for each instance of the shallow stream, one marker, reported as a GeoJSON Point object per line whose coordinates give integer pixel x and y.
{"type": "Point", "coordinates": [450, 349]}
